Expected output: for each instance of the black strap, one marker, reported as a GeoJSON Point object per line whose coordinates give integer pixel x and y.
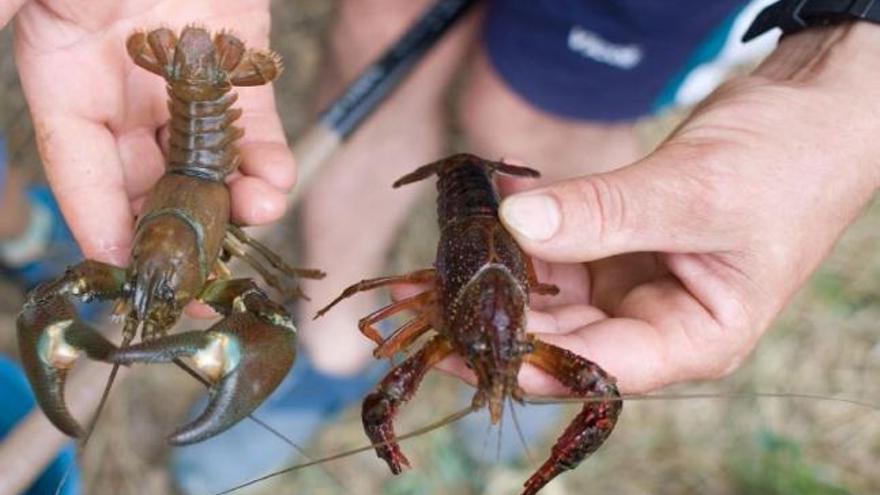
{"type": "Point", "coordinates": [794, 15]}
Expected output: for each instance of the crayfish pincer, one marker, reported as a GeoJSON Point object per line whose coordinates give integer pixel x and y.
{"type": "Point", "coordinates": [182, 242]}
{"type": "Point", "coordinates": [476, 305]}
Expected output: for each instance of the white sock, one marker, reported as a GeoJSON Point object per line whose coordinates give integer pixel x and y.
{"type": "Point", "coordinates": [32, 243]}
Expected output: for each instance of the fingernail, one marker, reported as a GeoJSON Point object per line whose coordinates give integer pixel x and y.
{"type": "Point", "coordinates": [533, 216]}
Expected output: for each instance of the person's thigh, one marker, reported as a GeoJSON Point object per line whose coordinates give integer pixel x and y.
{"type": "Point", "coordinates": [561, 82]}
{"type": "Point", "coordinates": [363, 29]}
{"type": "Point", "coordinates": [350, 213]}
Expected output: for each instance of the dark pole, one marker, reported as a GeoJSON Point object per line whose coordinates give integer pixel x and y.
{"type": "Point", "coordinates": [373, 86]}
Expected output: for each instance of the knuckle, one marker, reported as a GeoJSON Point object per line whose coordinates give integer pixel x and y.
{"type": "Point", "coordinates": [602, 204]}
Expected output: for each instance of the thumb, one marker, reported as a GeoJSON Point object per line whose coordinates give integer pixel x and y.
{"type": "Point", "coordinates": [661, 203]}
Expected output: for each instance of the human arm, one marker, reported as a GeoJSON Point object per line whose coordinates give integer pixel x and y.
{"type": "Point", "coordinates": [673, 267]}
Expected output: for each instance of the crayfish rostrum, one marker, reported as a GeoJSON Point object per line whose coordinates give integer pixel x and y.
{"type": "Point", "coordinates": [183, 239]}
{"type": "Point", "coordinates": [476, 305]}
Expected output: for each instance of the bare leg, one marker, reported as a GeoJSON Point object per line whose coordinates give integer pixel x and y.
{"type": "Point", "coordinates": [396, 388]}
{"type": "Point", "coordinates": [500, 124]}
{"type": "Point", "coordinates": [407, 131]}
{"type": "Point", "coordinates": [592, 426]}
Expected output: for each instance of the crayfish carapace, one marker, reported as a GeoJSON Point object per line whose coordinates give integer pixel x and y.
{"type": "Point", "coordinates": [183, 238]}
{"type": "Point", "coordinates": [476, 305]}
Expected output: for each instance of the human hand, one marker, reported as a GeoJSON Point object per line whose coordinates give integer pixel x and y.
{"type": "Point", "coordinates": [99, 118]}
{"type": "Point", "coordinates": [8, 9]}
{"type": "Point", "coordinates": [673, 267]}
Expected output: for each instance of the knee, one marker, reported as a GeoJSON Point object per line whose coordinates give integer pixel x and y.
{"type": "Point", "coordinates": [363, 28]}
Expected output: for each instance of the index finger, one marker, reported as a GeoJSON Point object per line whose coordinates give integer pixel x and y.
{"type": "Point", "coordinates": [84, 170]}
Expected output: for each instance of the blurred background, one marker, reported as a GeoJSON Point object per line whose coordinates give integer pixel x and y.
{"type": "Point", "coordinates": [826, 343]}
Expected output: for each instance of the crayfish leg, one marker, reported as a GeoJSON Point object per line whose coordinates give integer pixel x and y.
{"type": "Point", "coordinates": [237, 239]}
{"type": "Point", "coordinates": [398, 387]}
{"type": "Point", "coordinates": [591, 427]}
{"type": "Point", "coordinates": [367, 324]}
{"type": "Point", "coordinates": [417, 277]}
{"type": "Point", "coordinates": [534, 285]}
{"type": "Point", "coordinates": [271, 256]}
{"type": "Point", "coordinates": [404, 336]}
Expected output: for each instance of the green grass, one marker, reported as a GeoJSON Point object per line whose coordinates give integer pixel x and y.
{"type": "Point", "coordinates": [776, 465]}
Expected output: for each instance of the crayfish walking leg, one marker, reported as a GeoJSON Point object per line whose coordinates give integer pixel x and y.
{"type": "Point", "coordinates": [366, 323]}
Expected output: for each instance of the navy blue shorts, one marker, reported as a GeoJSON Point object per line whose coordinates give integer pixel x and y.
{"type": "Point", "coordinates": [615, 60]}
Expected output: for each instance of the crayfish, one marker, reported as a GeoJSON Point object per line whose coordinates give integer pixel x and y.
{"type": "Point", "coordinates": [182, 241]}
{"type": "Point", "coordinates": [476, 305]}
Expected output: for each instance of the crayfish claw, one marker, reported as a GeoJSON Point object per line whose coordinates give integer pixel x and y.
{"type": "Point", "coordinates": [221, 413]}
{"type": "Point", "coordinates": [243, 358]}
{"type": "Point", "coordinates": [163, 350]}
{"type": "Point", "coordinates": [51, 337]}
{"type": "Point", "coordinates": [247, 356]}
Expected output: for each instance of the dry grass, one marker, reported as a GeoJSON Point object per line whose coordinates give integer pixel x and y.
{"type": "Point", "coordinates": [827, 342]}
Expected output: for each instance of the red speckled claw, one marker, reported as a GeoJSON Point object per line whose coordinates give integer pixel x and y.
{"type": "Point", "coordinates": [377, 411]}
{"type": "Point", "coordinates": [591, 427]}
{"type": "Point", "coordinates": [244, 356]}
{"type": "Point", "coordinates": [398, 387]}
{"type": "Point", "coordinates": [50, 339]}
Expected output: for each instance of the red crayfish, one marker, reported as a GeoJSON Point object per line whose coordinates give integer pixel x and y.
{"type": "Point", "coordinates": [183, 239]}
{"type": "Point", "coordinates": [476, 305]}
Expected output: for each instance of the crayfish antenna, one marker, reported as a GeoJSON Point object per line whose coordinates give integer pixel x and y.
{"type": "Point", "coordinates": [348, 453]}
{"type": "Point", "coordinates": [519, 432]}
{"type": "Point", "coordinates": [539, 400]}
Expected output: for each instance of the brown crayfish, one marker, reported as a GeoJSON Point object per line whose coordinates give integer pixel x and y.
{"type": "Point", "coordinates": [183, 239]}
{"type": "Point", "coordinates": [480, 289]}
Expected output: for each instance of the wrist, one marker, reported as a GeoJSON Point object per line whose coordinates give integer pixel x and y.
{"type": "Point", "coordinates": [838, 65]}
{"type": "Point", "coordinates": [841, 51]}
